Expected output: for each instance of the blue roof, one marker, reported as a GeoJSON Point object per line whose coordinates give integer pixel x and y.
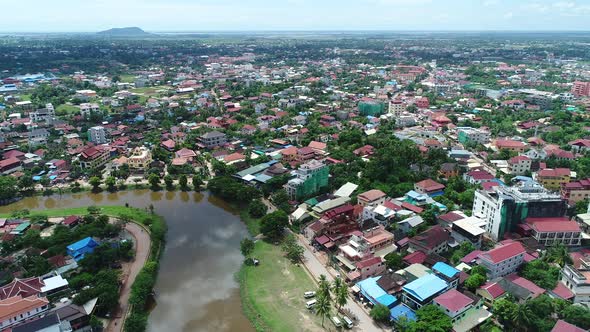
{"type": "Point", "coordinates": [370, 289]}
{"type": "Point", "coordinates": [416, 195]}
{"type": "Point", "coordinates": [425, 287]}
{"type": "Point", "coordinates": [402, 311]}
{"type": "Point", "coordinates": [387, 300]}
{"type": "Point", "coordinates": [81, 244]}
{"type": "Point", "coordinates": [445, 269]}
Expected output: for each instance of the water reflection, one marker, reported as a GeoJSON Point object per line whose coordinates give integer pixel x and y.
{"type": "Point", "coordinates": [196, 289]}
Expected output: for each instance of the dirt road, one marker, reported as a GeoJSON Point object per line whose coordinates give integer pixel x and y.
{"type": "Point", "coordinates": [142, 243]}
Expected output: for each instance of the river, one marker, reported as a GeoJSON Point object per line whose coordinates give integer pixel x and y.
{"type": "Point", "coordinates": [196, 289]}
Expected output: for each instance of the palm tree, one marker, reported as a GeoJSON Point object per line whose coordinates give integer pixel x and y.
{"type": "Point", "coordinates": [340, 293]}
{"type": "Point", "coordinates": [521, 317]}
{"type": "Point", "coordinates": [558, 254]}
{"type": "Point", "coordinates": [323, 307]}
{"type": "Point", "coordinates": [324, 287]}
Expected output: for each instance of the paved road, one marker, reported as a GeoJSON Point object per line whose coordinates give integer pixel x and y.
{"type": "Point", "coordinates": [365, 322]}
{"type": "Point", "coordinates": [130, 270]}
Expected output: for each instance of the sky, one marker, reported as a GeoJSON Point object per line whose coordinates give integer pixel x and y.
{"type": "Point", "coordinates": [289, 15]}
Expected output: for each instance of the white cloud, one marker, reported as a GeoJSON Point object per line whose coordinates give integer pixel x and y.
{"type": "Point", "coordinates": [509, 15]}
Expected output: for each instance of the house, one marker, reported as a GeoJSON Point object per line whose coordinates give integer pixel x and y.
{"type": "Point", "coordinates": [17, 309]}
{"type": "Point", "coordinates": [370, 290]}
{"type": "Point", "coordinates": [429, 187]}
{"type": "Point", "coordinates": [447, 273]}
{"type": "Point", "coordinates": [448, 170]}
{"type": "Point", "coordinates": [48, 323]}
{"type": "Point", "coordinates": [433, 240]}
{"type": "Point", "coordinates": [22, 287]}
{"type": "Point", "coordinates": [140, 158]}
{"type": "Point", "coordinates": [368, 268]}
{"type": "Point", "coordinates": [510, 145]}
{"type": "Point", "coordinates": [554, 179]}
{"type": "Point", "coordinates": [549, 231]}
{"type": "Point", "coordinates": [213, 139]}
{"type": "Point", "coordinates": [168, 144]}
{"type": "Point", "coordinates": [563, 326]}
{"type": "Point", "coordinates": [371, 197]}
{"type": "Point", "coordinates": [577, 280]}
{"type": "Point", "coordinates": [502, 260]}
{"type": "Point", "coordinates": [318, 147]}
{"type": "Point", "coordinates": [580, 145]}
{"type": "Point", "coordinates": [454, 304]}
{"type": "Point", "coordinates": [71, 221]}
{"type": "Point", "coordinates": [94, 157]}
{"type": "Point", "coordinates": [521, 288]}
{"type": "Point", "coordinates": [78, 249]}
{"type": "Point", "coordinates": [10, 165]}
{"type": "Point", "coordinates": [490, 292]}
{"type": "Point", "coordinates": [478, 177]}
{"type": "Point", "coordinates": [519, 165]}
{"type": "Point", "coordinates": [469, 229]}
{"type": "Point", "coordinates": [423, 290]}
{"type": "Point", "coordinates": [576, 191]}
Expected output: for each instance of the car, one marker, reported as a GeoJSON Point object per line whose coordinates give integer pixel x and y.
{"type": "Point", "coordinates": [336, 321]}
{"type": "Point", "coordinates": [311, 304]}
{"type": "Point", "coordinates": [347, 322]}
{"type": "Point", "coordinates": [256, 262]}
{"type": "Point", "coordinates": [309, 294]}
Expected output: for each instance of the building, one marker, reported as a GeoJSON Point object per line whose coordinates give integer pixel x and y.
{"type": "Point", "coordinates": [490, 292]}
{"type": "Point", "coordinates": [97, 135]}
{"type": "Point", "coordinates": [368, 106]}
{"type": "Point", "coordinates": [519, 165]}
{"type": "Point", "coordinates": [468, 135]}
{"type": "Point", "coordinates": [140, 158]}
{"type": "Point", "coordinates": [510, 145]}
{"type": "Point", "coordinates": [577, 280]}
{"type": "Point", "coordinates": [370, 290]}
{"type": "Point", "coordinates": [94, 157]}
{"type": "Point", "coordinates": [311, 177]}
{"type": "Point", "coordinates": [429, 187]}
{"type": "Point", "coordinates": [46, 114]}
{"type": "Point", "coordinates": [470, 229]}
{"type": "Point", "coordinates": [397, 108]}
{"type": "Point", "coordinates": [502, 260]}
{"type": "Point", "coordinates": [447, 273]}
{"type": "Point", "coordinates": [213, 139]}
{"type": "Point", "coordinates": [581, 89]}
{"type": "Point", "coordinates": [554, 179]}
{"type": "Point", "coordinates": [549, 231]}
{"type": "Point", "coordinates": [448, 170]}
{"type": "Point", "coordinates": [575, 191]}
{"type": "Point", "coordinates": [503, 208]}
{"type": "Point", "coordinates": [423, 290]}
{"type": "Point", "coordinates": [49, 323]}
{"type": "Point", "coordinates": [454, 304]}
{"type": "Point", "coordinates": [17, 309]}
{"type": "Point", "coordinates": [86, 109]}
{"type": "Point", "coordinates": [373, 242]}
{"type": "Point", "coordinates": [372, 197]}
{"type": "Point", "coordinates": [563, 326]}
{"type": "Point", "coordinates": [478, 176]}
{"type": "Point", "coordinates": [433, 240]}
{"type": "Point", "coordinates": [78, 249]}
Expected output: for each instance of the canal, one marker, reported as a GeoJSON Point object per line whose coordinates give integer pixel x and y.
{"type": "Point", "coordinates": [196, 289]}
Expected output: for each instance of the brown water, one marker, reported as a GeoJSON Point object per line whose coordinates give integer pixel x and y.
{"type": "Point", "coordinates": [196, 289]}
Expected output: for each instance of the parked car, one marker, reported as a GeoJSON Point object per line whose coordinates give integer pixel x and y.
{"type": "Point", "coordinates": [309, 294]}
{"type": "Point", "coordinates": [347, 322]}
{"type": "Point", "coordinates": [310, 304]}
{"type": "Point", "coordinates": [336, 321]}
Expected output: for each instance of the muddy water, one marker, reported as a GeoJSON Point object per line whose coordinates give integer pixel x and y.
{"type": "Point", "coordinates": [196, 290]}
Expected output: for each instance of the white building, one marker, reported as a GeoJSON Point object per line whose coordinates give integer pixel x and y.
{"type": "Point", "coordinates": [97, 135]}
{"type": "Point", "coordinates": [470, 229]}
{"type": "Point", "coordinates": [502, 260]}
{"type": "Point", "coordinates": [519, 165]}
{"type": "Point", "coordinates": [472, 135]}
{"type": "Point", "coordinates": [87, 108]}
{"type": "Point", "coordinates": [578, 281]}
{"type": "Point", "coordinates": [506, 207]}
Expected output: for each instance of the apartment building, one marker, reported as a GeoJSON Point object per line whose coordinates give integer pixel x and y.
{"type": "Point", "coordinates": [140, 158]}
{"type": "Point", "coordinates": [578, 281]}
{"type": "Point", "coordinates": [554, 179]}
{"type": "Point", "coordinates": [468, 135]}
{"type": "Point", "coordinates": [502, 260]}
{"type": "Point", "coordinates": [549, 231]}
{"type": "Point", "coordinates": [94, 157]}
{"type": "Point", "coordinates": [97, 135]}
{"type": "Point", "coordinates": [213, 139]}
{"type": "Point", "coordinates": [519, 165]}
{"type": "Point", "coordinates": [576, 191]}
{"type": "Point", "coordinates": [372, 197]}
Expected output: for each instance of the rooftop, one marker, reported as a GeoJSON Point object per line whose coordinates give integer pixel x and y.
{"type": "Point", "coordinates": [453, 300]}
{"type": "Point", "coordinates": [425, 287]}
{"type": "Point", "coordinates": [503, 253]}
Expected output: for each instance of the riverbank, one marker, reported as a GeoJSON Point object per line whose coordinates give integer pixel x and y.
{"type": "Point", "coordinates": [272, 292]}
{"type": "Point", "coordinates": [134, 295]}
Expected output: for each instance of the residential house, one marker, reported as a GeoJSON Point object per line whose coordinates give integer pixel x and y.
{"type": "Point", "coordinates": [478, 177]}
{"type": "Point", "coordinates": [448, 170]}
{"type": "Point", "coordinates": [429, 187]}
{"type": "Point", "coordinates": [490, 292]}
{"type": "Point", "coordinates": [502, 260]}
{"type": "Point", "coordinates": [510, 145]}
{"type": "Point", "coordinates": [140, 159]}
{"type": "Point", "coordinates": [563, 326]}
{"type": "Point", "coordinates": [578, 281]}
{"type": "Point", "coordinates": [469, 229]}
{"type": "Point", "coordinates": [454, 304]}
{"type": "Point", "coordinates": [371, 198]}
{"type": "Point", "coordinates": [519, 165]}
{"type": "Point", "coordinates": [17, 309]}
{"type": "Point", "coordinates": [94, 157]}
{"type": "Point", "coordinates": [575, 191]}
{"type": "Point", "coordinates": [433, 240]}
{"type": "Point", "coordinates": [423, 290]}
{"type": "Point", "coordinates": [580, 145]}
{"type": "Point", "coordinates": [213, 139]}
{"type": "Point", "coordinates": [78, 249]}
{"type": "Point", "coordinates": [447, 273]}
{"type": "Point", "coordinates": [554, 179]}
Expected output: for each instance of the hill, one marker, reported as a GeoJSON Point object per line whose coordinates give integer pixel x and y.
{"type": "Point", "coordinates": [125, 32]}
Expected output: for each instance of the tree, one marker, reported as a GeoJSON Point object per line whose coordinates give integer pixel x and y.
{"type": "Point", "coordinates": [581, 206]}
{"type": "Point", "coordinates": [541, 273]}
{"type": "Point", "coordinates": [340, 291]}
{"type": "Point", "coordinates": [293, 250]}
{"type": "Point", "coordinates": [324, 287]}
{"type": "Point", "coordinates": [380, 313]}
{"type": "Point", "coordinates": [464, 249]}
{"type": "Point", "coordinates": [577, 315]}
{"type": "Point", "coordinates": [257, 208]}
{"type": "Point", "coordinates": [95, 183]}
{"type": "Point", "coordinates": [8, 187]}
{"type": "Point", "coordinates": [25, 183]}
{"type": "Point", "coordinates": [323, 307]}
{"type": "Point", "coordinates": [111, 183]}
{"type": "Point", "coordinates": [183, 181]}
{"type": "Point", "coordinates": [169, 181]}
{"type": "Point", "coordinates": [246, 247]}
{"type": "Point", "coordinates": [281, 200]}
{"type": "Point", "coordinates": [504, 311]}
{"type": "Point", "coordinates": [558, 254]}
{"type": "Point", "coordinates": [273, 225]}
{"type": "Point", "coordinates": [154, 181]}
{"type": "Point", "coordinates": [431, 318]}
{"type": "Point", "coordinates": [393, 261]}
{"type": "Point", "coordinates": [522, 317]}
{"type": "Point", "coordinates": [197, 182]}
{"type": "Point", "coordinates": [474, 281]}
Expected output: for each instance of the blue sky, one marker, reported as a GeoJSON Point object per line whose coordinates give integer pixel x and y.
{"type": "Point", "coordinates": [208, 15]}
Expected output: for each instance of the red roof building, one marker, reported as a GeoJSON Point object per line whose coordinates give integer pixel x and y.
{"type": "Point", "coordinates": [433, 240]}
{"type": "Point", "coordinates": [503, 260]}
{"type": "Point", "coordinates": [429, 187]}
{"type": "Point", "coordinates": [548, 231]}
{"type": "Point", "coordinates": [563, 326]}
{"type": "Point", "coordinates": [453, 302]}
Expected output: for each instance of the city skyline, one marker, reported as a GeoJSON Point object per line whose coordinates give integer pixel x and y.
{"type": "Point", "coordinates": [297, 15]}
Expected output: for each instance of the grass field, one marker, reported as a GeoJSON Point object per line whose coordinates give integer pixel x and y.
{"type": "Point", "coordinates": [66, 109]}
{"type": "Point", "coordinates": [252, 224]}
{"type": "Point", "coordinates": [272, 293]}
{"type": "Point", "coordinates": [127, 78]}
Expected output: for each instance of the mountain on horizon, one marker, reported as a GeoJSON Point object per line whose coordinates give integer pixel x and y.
{"type": "Point", "coordinates": [125, 32]}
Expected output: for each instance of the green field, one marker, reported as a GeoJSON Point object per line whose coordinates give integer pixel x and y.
{"type": "Point", "coordinates": [127, 78]}
{"type": "Point", "coordinates": [272, 293]}
{"type": "Point", "coordinates": [66, 109]}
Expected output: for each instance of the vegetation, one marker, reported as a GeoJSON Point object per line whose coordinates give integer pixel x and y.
{"type": "Point", "coordinates": [541, 273]}
{"type": "Point", "coordinates": [380, 313]}
{"type": "Point", "coordinates": [272, 226]}
{"type": "Point", "coordinates": [430, 319]}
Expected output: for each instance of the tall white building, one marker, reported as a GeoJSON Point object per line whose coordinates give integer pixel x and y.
{"type": "Point", "coordinates": [506, 207]}
{"type": "Point", "coordinates": [578, 280]}
{"type": "Point", "coordinates": [97, 135]}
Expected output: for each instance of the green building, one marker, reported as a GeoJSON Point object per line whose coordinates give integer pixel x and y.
{"type": "Point", "coordinates": [311, 178]}
{"type": "Point", "coordinates": [371, 107]}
